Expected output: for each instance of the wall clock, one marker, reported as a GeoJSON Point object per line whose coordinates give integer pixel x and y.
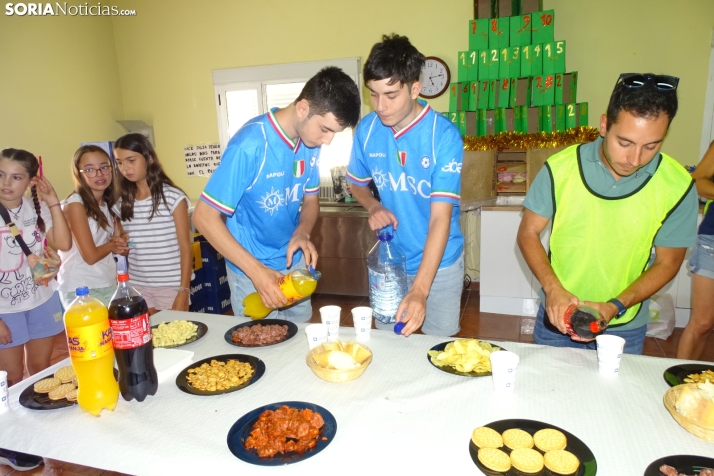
{"type": "Point", "coordinates": [435, 77]}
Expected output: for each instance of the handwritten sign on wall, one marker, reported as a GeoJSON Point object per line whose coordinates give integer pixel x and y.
{"type": "Point", "coordinates": [202, 160]}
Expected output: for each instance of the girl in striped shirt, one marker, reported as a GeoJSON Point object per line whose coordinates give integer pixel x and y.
{"type": "Point", "coordinates": [154, 214]}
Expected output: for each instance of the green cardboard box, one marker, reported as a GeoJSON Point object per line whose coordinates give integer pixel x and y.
{"type": "Point", "coordinates": [571, 115]}
{"type": "Point", "coordinates": [484, 65]}
{"type": "Point", "coordinates": [543, 90]}
{"type": "Point", "coordinates": [481, 123]}
{"type": "Point", "coordinates": [492, 93]}
{"type": "Point", "coordinates": [499, 120]}
{"type": "Point", "coordinates": [554, 57]}
{"type": "Point", "coordinates": [520, 30]}
{"type": "Point", "coordinates": [498, 33]}
{"type": "Point", "coordinates": [531, 60]}
{"type": "Point", "coordinates": [463, 66]}
{"type": "Point", "coordinates": [546, 123]}
{"type": "Point", "coordinates": [454, 97]}
{"type": "Point", "coordinates": [559, 85]}
{"type": "Point", "coordinates": [559, 117]}
{"type": "Point", "coordinates": [512, 92]}
{"type": "Point", "coordinates": [472, 69]}
{"type": "Point", "coordinates": [462, 122]}
{"type": "Point", "coordinates": [483, 91]}
{"type": "Point", "coordinates": [464, 90]}
{"type": "Point", "coordinates": [542, 24]}
{"type": "Point", "coordinates": [504, 61]}
{"type": "Point", "coordinates": [583, 114]}
{"type": "Point", "coordinates": [509, 62]}
{"type": "Point", "coordinates": [478, 34]}
{"type": "Point", "coordinates": [520, 119]}
{"type": "Point", "coordinates": [454, 118]}
{"type": "Point", "coordinates": [494, 66]}
{"type": "Point", "coordinates": [503, 98]}
{"type": "Point", "coordinates": [473, 96]}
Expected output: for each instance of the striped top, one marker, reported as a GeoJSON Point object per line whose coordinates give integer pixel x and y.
{"type": "Point", "coordinates": [412, 168]}
{"type": "Point", "coordinates": [155, 258]}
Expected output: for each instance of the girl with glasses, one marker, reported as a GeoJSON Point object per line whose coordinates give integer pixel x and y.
{"type": "Point", "coordinates": [96, 233]}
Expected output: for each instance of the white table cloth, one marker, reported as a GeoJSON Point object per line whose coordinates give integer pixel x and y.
{"type": "Point", "coordinates": [401, 415]}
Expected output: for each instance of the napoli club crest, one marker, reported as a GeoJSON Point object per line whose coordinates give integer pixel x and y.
{"type": "Point", "coordinates": [299, 168]}
{"type": "Point", "coordinates": [402, 158]}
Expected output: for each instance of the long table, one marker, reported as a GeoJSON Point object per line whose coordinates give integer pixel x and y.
{"type": "Point", "coordinates": [402, 414]}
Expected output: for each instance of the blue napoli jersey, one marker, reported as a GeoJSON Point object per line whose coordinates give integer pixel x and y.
{"type": "Point", "coordinates": [411, 168]}
{"type": "Point", "coordinates": [260, 184]}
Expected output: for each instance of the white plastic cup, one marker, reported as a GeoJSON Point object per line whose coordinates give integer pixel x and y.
{"type": "Point", "coordinates": [316, 334]}
{"type": "Point", "coordinates": [4, 395]}
{"type": "Point", "coordinates": [609, 353]}
{"type": "Point", "coordinates": [330, 316]}
{"type": "Point", "coordinates": [362, 319]}
{"type": "Point", "coordinates": [503, 369]}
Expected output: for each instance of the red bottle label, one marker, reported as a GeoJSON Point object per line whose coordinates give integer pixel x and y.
{"type": "Point", "coordinates": [131, 333]}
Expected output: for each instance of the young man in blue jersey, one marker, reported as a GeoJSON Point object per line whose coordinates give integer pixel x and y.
{"type": "Point", "coordinates": [414, 155]}
{"type": "Point", "coordinates": [266, 189]}
{"type": "Point", "coordinates": [610, 202]}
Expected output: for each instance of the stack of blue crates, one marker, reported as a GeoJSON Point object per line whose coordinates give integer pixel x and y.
{"type": "Point", "coordinates": [211, 292]}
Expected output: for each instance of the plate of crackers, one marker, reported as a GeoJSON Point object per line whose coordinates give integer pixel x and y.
{"type": "Point", "coordinates": [177, 333]}
{"type": "Point", "coordinates": [240, 432]}
{"type": "Point", "coordinates": [516, 447]}
{"type": "Point", "coordinates": [220, 374]}
{"type": "Point", "coordinates": [688, 373]}
{"type": "Point", "coordinates": [465, 357]}
{"type": "Point", "coordinates": [58, 391]}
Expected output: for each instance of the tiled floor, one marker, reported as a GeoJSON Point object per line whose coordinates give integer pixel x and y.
{"type": "Point", "coordinates": [473, 324]}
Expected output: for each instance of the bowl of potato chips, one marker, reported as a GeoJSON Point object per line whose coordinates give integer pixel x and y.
{"type": "Point", "coordinates": [466, 357]}
{"type": "Point", "coordinates": [339, 362]}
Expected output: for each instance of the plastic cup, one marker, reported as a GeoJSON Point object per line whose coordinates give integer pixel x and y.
{"type": "Point", "coordinates": [330, 316]}
{"type": "Point", "coordinates": [316, 334]}
{"type": "Point", "coordinates": [362, 319]}
{"type": "Point", "coordinates": [503, 369]}
{"type": "Point", "coordinates": [609, 353]}
{"type": "Point", "coordinates": [4, 396]}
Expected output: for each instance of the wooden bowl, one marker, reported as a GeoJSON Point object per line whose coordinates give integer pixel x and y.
{"type": "Point", "coordinates": [702, 431]}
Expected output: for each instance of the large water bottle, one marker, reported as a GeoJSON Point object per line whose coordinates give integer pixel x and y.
{"type": "Point", "coordinates": [387, 268]}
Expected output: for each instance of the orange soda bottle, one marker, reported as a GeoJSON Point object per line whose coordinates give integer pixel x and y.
{"type": "Point", "coordinates": [89, 337]}
{"type": "Point", "coordinates": [296, 285]}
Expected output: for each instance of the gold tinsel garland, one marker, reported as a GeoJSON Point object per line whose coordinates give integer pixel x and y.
{"type": "Point", "coordinates": [538, 140]}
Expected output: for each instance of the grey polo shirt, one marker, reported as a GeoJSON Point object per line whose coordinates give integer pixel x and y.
{"type": "Point", "coordinates": [679, 229]}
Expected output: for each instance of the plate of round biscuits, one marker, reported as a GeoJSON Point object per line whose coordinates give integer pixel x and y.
{"type": "Point", "coordinates": [515, 447]}
{"type": "Point", "coordinates": [58, 391]}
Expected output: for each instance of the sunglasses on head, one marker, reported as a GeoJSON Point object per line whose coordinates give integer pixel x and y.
{"type": "Point", "coordinates": [637, 80]}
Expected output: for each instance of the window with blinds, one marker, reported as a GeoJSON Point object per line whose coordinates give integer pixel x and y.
{"type": "Point", "coordinates": [243, 93]}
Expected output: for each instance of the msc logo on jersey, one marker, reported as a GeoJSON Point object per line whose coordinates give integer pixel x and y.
{"type": "Point", "coordinates": [271, 201]}
{"type": "Point", "coordinates": [299, 168]}
{"type": "Point", "coordinates": [402, 158]}
{"type": "Point", "coordinates": [379, 178]}
{"type": "Point", "coordinates": [453, 167]}
{"type": "Point", "coordinates": [425, 161]}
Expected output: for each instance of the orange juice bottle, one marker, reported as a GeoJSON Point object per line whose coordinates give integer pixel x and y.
{"type": "Point", "coordinates": [296, 285]}
{"type": "Point", "coordinates": [89, 338]}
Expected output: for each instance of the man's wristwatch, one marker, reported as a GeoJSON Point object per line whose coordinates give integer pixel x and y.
{"type": "Point", "coordinates": [621, 309]}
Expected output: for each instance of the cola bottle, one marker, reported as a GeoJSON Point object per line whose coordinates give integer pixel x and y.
{"type": "Point", "coordinates": [131, 335]}
{"type": "Point", "coordinates": [584, 321]}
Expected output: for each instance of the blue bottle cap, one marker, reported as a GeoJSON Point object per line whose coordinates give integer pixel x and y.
{"type": "Point", "coordinates": [398, 327]}
{"type": "Point", "coordinates": [83, 291]}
